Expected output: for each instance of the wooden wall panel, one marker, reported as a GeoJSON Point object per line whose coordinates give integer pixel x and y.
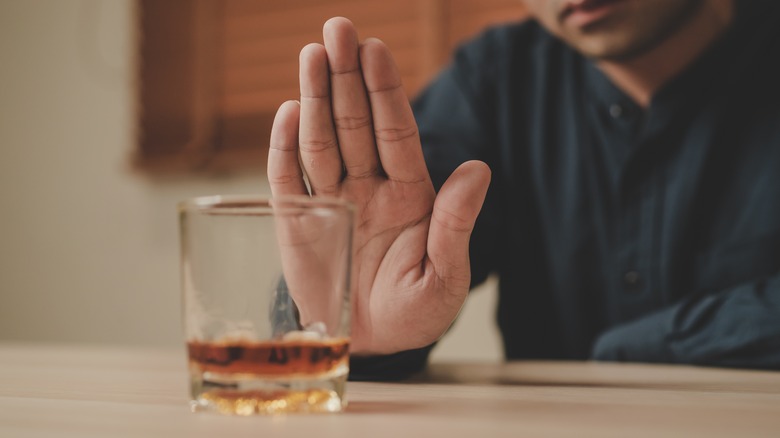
{"type": "Point", "coordinates": [263, 39]}
{"type": "Point", "coordinates": [468, 17]}
{"type": "Point", "coordinates": [213, 72]}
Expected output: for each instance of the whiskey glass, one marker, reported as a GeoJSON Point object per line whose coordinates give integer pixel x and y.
{"type": "Point", "coordinates": [266, 302]}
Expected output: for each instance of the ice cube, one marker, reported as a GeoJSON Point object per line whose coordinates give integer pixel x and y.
{"type": "Point", "coordinates": [317, 327]}
{"type": "Point", "coordinates": [315, 331]}
{"type": "Point", "coordinates": [300, 335]}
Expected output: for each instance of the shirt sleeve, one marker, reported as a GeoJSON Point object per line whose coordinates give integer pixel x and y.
{"type": "Point", "coordinates": [738, 327]}
{"type": "Point", "coordinates": [390, 367]}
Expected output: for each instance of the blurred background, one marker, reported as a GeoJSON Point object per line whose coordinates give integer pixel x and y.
{"type": "Point", "coordinates": [111, 111]}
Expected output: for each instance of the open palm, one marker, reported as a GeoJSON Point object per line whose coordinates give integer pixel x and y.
{"type": "Point", "coordinates": [354, 135]}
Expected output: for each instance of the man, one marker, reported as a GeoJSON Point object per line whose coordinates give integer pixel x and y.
{"type": "Point", "coordinates": [634, 207]}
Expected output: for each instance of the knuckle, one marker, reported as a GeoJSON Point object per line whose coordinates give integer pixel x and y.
{"type": "Point", "coordinates": [452, 221]}
{"type": "Point", "coordinates": [349, 70]}
{"type": "Point", "coordinates": [386, 89]}
{"type": "Point", "coordinates": [281, 146]}
{"type": "Point", "coordinates": [316, 97]}
{"type": "Point", "coordinates": [325, 189]}
{"type": "Point", "coordinates": [283, 178]}
{"type": "Point", "coordinates": [360, 171]}
{"type": "Point", "coordinates": [350, 123]}
{"type": "Point", "coordinates": [315, 145]}
{"type": "Point", "coordinates": [395, 135]}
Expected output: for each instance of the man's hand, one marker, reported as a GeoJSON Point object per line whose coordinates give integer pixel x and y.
{"type": "Point", "coordinates": [355, 136]}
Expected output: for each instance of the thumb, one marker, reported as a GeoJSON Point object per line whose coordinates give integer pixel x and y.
{"type": "Point", "coordinates": [454, 212]}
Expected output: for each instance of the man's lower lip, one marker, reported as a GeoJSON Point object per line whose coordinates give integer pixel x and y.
{"type": "Point", "coordinates": [583, 17]}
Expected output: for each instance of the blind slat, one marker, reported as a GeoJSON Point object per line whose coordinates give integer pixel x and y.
{"type": "Point", "coordinates": [286, 48]}
{"type": "Point", "coordinates": [293, 22]}
{"type": "Point", "coordinates": [467, 7]}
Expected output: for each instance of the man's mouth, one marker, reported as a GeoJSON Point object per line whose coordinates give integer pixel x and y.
{"type": "Point", "coordinates": [581, 13]}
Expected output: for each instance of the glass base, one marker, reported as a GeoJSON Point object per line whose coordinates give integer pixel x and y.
{"type": "Point", "coordinates": [253, 395]}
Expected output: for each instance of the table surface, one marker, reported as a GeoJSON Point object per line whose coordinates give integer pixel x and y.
{"type": "Point", "coordinates": [86, 391]}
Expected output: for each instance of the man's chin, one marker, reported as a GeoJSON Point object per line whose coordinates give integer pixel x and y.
{"type": "Point", "coordinates": [611, 47]}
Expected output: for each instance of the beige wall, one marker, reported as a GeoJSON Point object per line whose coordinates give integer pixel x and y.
{"type": "Point", "coordinates": [88, 249]}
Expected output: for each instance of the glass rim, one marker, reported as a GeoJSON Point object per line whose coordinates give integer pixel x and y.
{"type": "Point", "coordinates": [243, 204]}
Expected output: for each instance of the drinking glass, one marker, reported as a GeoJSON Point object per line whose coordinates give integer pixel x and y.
{"type": "Point", "coordinates": [266, 298]}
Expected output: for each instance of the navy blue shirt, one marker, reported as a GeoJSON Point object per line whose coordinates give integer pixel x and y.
{"type": "Point", "coordinates": [619, 232]}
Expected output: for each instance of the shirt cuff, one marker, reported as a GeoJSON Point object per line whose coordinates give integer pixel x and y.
{"type": "Point", "coordinates": [643, 340]}
{"type": "Point", "coordinates": [391, 367]}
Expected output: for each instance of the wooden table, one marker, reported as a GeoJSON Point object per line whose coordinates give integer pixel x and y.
{"type": "Point", "coordinates": [78, 391]}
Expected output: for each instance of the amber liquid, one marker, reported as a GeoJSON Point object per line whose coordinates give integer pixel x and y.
{"type": "Point", "coordinates": [310, 358]}
{"type": "Point", "coordinates": [246, 378]}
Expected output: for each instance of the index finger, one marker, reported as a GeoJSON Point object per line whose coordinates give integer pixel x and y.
{"type": "Point", "coordinates": [284, 172]}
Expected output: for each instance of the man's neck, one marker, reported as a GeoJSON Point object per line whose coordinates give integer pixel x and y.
{"type": "Point", "coordinates": [641, 77]}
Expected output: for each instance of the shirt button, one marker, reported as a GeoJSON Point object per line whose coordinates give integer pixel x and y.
{"type": "Point", "coordinates": [616, 110]}
{"type": "Point", "coordinates": [631, 281]}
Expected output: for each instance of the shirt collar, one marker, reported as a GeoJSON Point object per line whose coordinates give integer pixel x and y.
{"type": "Point", "coordinates": [605, 96]}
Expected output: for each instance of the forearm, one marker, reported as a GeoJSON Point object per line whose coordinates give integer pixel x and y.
{"type": "Point", "coordinates": [739, 327]}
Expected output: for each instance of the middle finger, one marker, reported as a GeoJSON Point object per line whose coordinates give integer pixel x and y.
{"type": "Point", "coordinates": [351, 108]}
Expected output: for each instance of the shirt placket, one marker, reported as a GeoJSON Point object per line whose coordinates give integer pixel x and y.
{"type": "Point", "coordinates": [634, 277]}
{"type": "Point", "coordinates": [633, 280]}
